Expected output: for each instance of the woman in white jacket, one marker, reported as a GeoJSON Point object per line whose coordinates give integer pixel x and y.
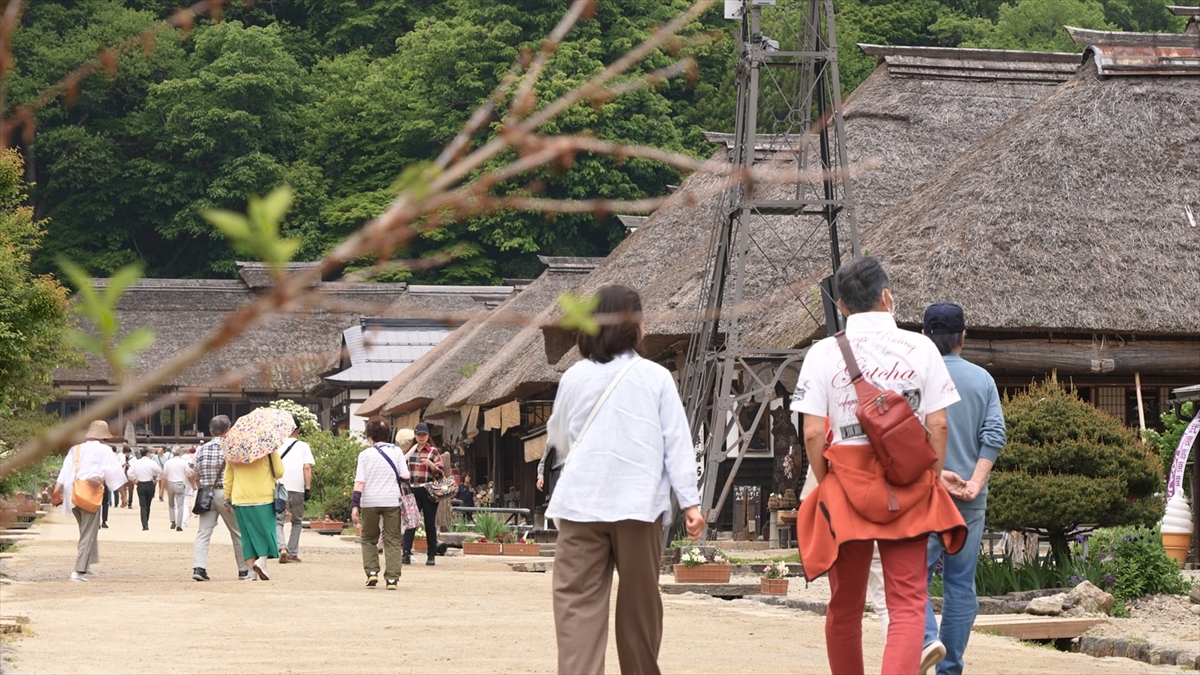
{"type": "Point", "coordinates": [620, 425]}
{"type": "Point", "coordinates": [96, 463]}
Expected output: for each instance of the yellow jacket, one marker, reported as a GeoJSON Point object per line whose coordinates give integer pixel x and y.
{"type": "Point", "coordinates": [253, 483]}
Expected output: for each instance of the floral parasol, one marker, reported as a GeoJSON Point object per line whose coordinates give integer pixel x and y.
{"type": "Point", "coordinates": [255, 435]}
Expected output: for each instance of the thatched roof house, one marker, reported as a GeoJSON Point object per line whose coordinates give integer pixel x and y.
{"type": "Point", "coordinates": [1071, 234]}
{"type": "Point", "coordinates": [457, 361]}
{"type": "Point", "coordinates": [920, 108]}
{"type": "Point", "coordinates": [282, 357]}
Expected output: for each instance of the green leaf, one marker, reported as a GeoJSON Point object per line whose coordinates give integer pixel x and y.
{"type": "Point", "coordinates": [415, 179]}
{"type": "Point", "coordinates": [90, 304]}
{"type": "Point", "coordinates": [577, 313]}
{"type": "Point", "coordinates": [136, 341]}
{"type": "Point", "coordinates": [234, 226]}
{"type": "Point", "coordinates": [85, 342]}
{"type": "Point", "coordinates": [120, 281]}
{"type": "Point", "coordinates": [268, 212]}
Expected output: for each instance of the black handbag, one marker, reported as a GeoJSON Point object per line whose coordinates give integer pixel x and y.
{"type": "Point", "coordinates": [204, 500]}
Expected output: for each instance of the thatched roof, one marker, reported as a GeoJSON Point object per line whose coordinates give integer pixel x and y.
{"type": "Point", "coordinates": [286, 352]}
{"type": "Point", "coordinates": [460, 359]}
{"type": "Point", "coordinates": [1089, 204]}
{"type": "Point", "coordinates": [920, 108]}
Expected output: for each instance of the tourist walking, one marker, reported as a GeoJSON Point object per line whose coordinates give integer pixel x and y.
{"type": "Point", "coordinates": [250, 488]}
{"type": "Point", "coordinates": [425, 465]}
{"type": "Point", "coordinates": [126, 491]}
{"type": "Point", "coordinates": [976, 435]}
{"type": "Point", "coordinates": [161, 457]}
{"type": "Point", "coordinates": [96, 467]}
{"type": "Point", "coordinates": [210, 470]}
{"type": "Point", "coordinates": [145, 472]}
{"type": "Point", "coordinates": [176, 474]}
{"type": "Point", "coordinates": [375, 503]}
{"type": "Point", "coordinates": [109, 495]}
{"type": "Point", "coordinates": [623, 436]}
{"type": "Point", "coordinates": [853, 507]}
{"type": "Point", "coordinates": [297, 478]}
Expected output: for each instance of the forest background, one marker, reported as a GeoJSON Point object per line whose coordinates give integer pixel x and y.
{"type": "Point", "coordinates": [337, 97]}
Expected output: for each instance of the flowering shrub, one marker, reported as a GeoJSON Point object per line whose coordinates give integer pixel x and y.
{"type": "Point", "coordinates": [1133, 563]}
{"type": "Point", "coordinates": [776, 570]}
{"type": "Point", "coordinates": [308, 420]}
{"type": "Point", "coordinates": [692, 557]}
{"type": "Point", "coordinates": [420, 533]}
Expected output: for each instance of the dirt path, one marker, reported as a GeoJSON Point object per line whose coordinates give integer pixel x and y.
{"type": "Point", "coordinates": [144, 614]}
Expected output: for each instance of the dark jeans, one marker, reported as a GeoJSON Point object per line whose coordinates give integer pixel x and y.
{"type": "Point", "coordinates": [107, 499]}
{"type": "Point", "coordinates": [428, 507]}
{"type": "Point", "coordinates": [145, 493]}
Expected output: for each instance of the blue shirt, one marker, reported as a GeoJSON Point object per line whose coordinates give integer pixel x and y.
{"type": "Point", "coordinates": [976, 423]}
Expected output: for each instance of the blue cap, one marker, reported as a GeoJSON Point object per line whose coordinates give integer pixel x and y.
{"type": "Point", "coordinates": [944, 318]}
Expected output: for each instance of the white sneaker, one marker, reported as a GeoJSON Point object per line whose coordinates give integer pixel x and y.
{"type": "Point", "coordinates": [76, 576]}
{"type": "Point", "coordinates": [260, 568]}
{"type": "Point", "coordinates": [931, 655]}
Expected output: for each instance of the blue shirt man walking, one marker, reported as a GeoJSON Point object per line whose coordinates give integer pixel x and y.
{"type": "Point", "coordinates": [976, 435]}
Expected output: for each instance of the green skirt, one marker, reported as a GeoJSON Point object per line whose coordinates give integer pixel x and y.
{"type": "Point", "coordinates": [257, 523]}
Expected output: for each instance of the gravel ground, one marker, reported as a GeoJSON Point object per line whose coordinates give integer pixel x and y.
{"type": "Point", "coordinates": [1164, 621]}
{"type": "Point", "coordinates": [144, 614]}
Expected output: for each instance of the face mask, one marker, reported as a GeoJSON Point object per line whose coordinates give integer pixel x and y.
{"type": "Point", "coordinates": [892, 309]}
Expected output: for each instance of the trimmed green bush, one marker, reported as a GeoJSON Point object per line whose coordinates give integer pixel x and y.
{"type": "Point", "coordinates": [1069, 465]}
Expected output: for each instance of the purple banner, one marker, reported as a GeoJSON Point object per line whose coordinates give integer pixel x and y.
{"type": "Point", "coordinates": [1175, 481]}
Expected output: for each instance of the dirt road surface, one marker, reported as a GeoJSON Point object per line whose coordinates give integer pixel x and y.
{"type": "Point", "coordinates": [144, 614]}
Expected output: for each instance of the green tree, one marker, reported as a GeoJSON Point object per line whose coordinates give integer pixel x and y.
{"type": "Point", "coordinates": [1069, 465]}
{"type": "Point", "coordinates": [33, 327]}
{"type": "Point", "coordinates": [33, 317]}
{"type": "Point", "coordinates": [1175, 422]}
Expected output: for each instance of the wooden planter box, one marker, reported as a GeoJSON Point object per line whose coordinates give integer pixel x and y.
{"type": "Point", "coordinates": [702, 574]}
{"type": "Point", "coordinates": [531, 550]}
{"type": "Point", "coordinates": [481, 548]}
{"type": "Point", "coordinates": [326, 525]}
{"type": "Point", "coordinates": [773, 586]}
{"type": "Point", "coordinates": [420, 545]}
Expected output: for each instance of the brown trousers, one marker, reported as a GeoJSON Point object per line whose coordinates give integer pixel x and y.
{"type": "Point", "coordinates": [584, 555]}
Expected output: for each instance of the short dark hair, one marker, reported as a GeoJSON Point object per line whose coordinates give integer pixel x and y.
{"type": "Point", "coordinates": [145, 452]}
{"type": "Point", "coordinates": [379, 430]}
{"type": "Point", "coordinates": [860, 284]}
{"type": "Point", "coordinates": [623, 303]}
{"type": "Point", "coordinates": [946, 342]}
{"type": "Point", "coordinates": [296, 421]}
{"type": "Point", "coordinates": [219, 425]}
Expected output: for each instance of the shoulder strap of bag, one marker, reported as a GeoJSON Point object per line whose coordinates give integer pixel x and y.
{"type": "Point", "coordinates": [391, 464]}
{"type": "Point", "coordinates": [600, 403]}
{"type": "Point", "coordinates": [848, 354]}
{"type": "Point", "coordinates": [76, 450]}
{"type": "Point", "coordinates": [272, 466]}
{"type": "Point", "coordinates": [288, 448]}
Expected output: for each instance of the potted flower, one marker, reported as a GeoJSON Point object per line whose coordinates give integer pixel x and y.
{"type": "Point", "coordinates": [490, 531]}
{"type": "Point", "coordinates": [774, 579]}
{"type": "Point", "coordinates": [696, 569]}
{"type": "Point", "coordinates": [420, 543]}
{"type": "Point", "coordinates": [523, 546]}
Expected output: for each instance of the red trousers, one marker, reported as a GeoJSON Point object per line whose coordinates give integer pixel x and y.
{"type": "Point", "coordinates": [905, 586]}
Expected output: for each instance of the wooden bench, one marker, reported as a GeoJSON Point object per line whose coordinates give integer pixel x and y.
{"type": "Point", "coordinates": [509, 514]}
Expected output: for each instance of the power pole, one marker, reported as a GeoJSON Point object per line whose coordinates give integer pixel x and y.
{"type": "Point", "coordinates": [789, 117]}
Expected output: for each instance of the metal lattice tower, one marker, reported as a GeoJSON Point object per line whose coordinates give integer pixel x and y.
{"type": "Point", "coordinates": [789, 121]}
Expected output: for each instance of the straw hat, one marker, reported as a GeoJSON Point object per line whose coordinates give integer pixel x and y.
{"type": "Point", "coordinates": [98, 431]}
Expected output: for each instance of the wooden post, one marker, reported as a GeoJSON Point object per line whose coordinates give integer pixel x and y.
{"type": "Point", "coordinates": [1137, 383]}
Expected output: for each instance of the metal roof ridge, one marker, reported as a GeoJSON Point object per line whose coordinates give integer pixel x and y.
{"type": "Point", "coordinates": [970, 54]}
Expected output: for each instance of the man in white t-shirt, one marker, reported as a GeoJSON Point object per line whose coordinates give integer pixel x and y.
{"type": "Point", "coordinates": [176, 473]}
{"type": "Point", "coordinates": [897, 360]}
{"type": "Point", "coordinates": [297, 478]}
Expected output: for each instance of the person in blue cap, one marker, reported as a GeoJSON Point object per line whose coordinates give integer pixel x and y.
{"type": "Point", "coordinates": [976, 435]}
